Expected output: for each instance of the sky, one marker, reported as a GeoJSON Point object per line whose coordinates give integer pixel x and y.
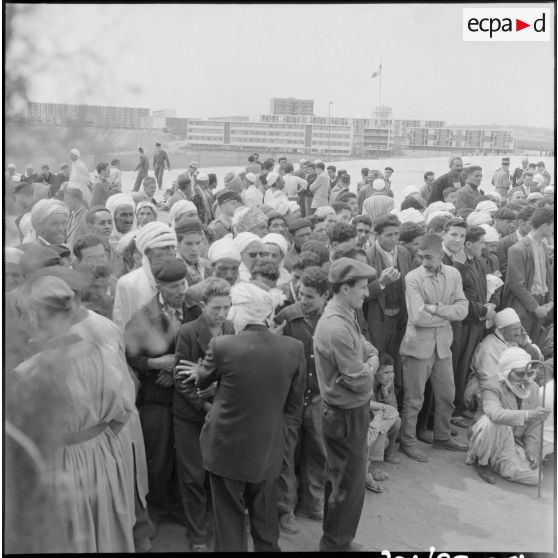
{"type": "Point", "coordinates": [222, 60]}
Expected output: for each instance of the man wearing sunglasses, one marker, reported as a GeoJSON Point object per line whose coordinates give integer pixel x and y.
{"type": "Point", "coordinates": [506, 438]}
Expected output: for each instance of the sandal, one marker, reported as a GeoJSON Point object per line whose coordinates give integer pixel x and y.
{"type": "Point", "coordinates": [459, 421]}
{"type": "Point", "coordinates": [372, 485]}
{"type": "Point", "coordinates": [379, 475]}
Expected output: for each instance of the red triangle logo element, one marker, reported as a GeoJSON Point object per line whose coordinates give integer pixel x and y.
{"type": "Point", "coordinates": [519, 25]}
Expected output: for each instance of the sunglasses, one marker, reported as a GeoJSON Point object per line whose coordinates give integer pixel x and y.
{"type": "Point", "coordinates": [255, 254]}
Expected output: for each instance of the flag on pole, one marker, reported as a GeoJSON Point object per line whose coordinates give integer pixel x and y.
{"type": "Point", "coordinates": [377, 72]}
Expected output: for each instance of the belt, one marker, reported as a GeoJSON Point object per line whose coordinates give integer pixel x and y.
{"type": "Point", "coordinates": [392, 311]}
{"type": "Point", "coordinates": [72, 438]}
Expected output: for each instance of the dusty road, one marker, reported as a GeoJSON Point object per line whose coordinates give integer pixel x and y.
{"type": "Point", "coordinates": [442, 503]}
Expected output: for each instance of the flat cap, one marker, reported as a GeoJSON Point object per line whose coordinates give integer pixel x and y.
{"type": "Point", "coordinates": [168, 269]}
{"type": "Point", "coordinates": [228, 195]}
{"type": "Point", "coordinates": [344, 270]}
{"type": "Point", "coordinates": [76, 280]}
{"type": "Point", "coordinates": [298, 223]}
{"type": "Point", "coordinates": [188, 225]}
{"type": "Point", "coordinates": [36, 257]}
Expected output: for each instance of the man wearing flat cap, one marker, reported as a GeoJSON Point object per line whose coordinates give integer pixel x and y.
{"type": "Point", "coordinates": [467, 195]}
{"type": "Point", "coordinates": [228, 202]}
{"type": "Point", "coordinates": [301, 231]}
{"type": "Point", "coordinates": [345, 365]}
{"type": "Point", "coordinates": [501, 179]}
{"type": "Point", "coordinates": [150, 345]}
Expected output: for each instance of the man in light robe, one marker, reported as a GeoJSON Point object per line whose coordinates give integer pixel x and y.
{"type": "Point", "coordinates": [79, 175]}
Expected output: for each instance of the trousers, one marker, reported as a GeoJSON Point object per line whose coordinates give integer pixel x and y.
{"type": "Point", "coordinates": [305, 451]}
{"type": "Point", "coordinates": [159, 175]}
{"type": "Point", "coordinates": [471, 336]}
{"type": "Point", "coordinates": [139, 180]}
{"type": "Point", "coordinates": [345, 432]}
{"type": "Point", "coordinates": [191, 478]}
{"type": "Point", "coordinates": [415, 374]}
{"type": "Point", "coordinates": [230, 498]}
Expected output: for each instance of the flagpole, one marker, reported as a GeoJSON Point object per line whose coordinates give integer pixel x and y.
{"type": "Point", "coordinates": [380, 101]}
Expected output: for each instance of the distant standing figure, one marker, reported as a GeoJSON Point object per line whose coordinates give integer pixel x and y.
{"type": "Point", "coordinates": [159, 159]}
{"type": "Point", "coordinates": [79, 176]}
{"type": "Point", "coordinates": [142, 168]}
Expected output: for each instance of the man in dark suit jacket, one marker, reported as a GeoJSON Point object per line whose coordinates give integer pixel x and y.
{"type": "Point", "coordinates": [261, 381]}
{"type": "Point", "coordinates": [452, 178]}
{"type": "Point", "coordinates": [150, 344]}
{"type": "Point", "coordinates": [189, 408]}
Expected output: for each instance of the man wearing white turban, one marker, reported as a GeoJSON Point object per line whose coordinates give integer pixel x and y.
{"type": "Point", "coordinates": [138, 287]}
{"type": "Point", "coordinates": [79, 176]}
{"type": "Point", "coordinates": [13, 277]}
{"type": "Point", "coordinates": [49, 219]}
{"type": "Point", "coordinates": [182, 208]}
{"type": "Point", "coordinates": [225, 259]}
{"type": "Point", "coordinates": [251, 250]}
{"type": "Point", "coordinates": [261, 382]}
{"type": "Point", "coordinates": [484, 366]}
{"type": "Point", "coordinates": [275, 248]}
{"type": "Point", "coordinates": [122, 208]}
{"type": "Point", "coordinates": [477, 218]}
{"type": "Point", "coordinates": [506, 438]}
{"type": "Point", "coordinates": [146, 212]}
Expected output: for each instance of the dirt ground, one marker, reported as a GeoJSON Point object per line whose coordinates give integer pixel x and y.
{"type": "Point", "coordinates": [441, 504]}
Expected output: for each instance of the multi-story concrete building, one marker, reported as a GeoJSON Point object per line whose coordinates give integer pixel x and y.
{"type": "Point", "coordinates": [463, 139]}
{"type": "Point", "coordinates": [88, 115]}
{"type": "Point", "coordinates": [291, 106]}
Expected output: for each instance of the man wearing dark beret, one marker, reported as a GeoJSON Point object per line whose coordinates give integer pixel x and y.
{"type": "Point", "coordinates": [345, 365]}
{"type": "Point", "coordinates": [467, 195]}
{"type": "Point", "coordinates": [228, 202]}
{"type": "Point", "coordinates": [301, 231]}
{"type": "Point", "coordinates": [150, 344]}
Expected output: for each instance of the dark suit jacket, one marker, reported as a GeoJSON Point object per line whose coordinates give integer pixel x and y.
{"type": "Point", "coordinates": [149, 334]}
{"type": "Point", "coordinates": [502, 251]}
{"type": "Point", "coordinates": [192, 342]}
{"type": "Point", "coordinates": [473, 277]}
{"type": "Point", "coordinates": [261, 383]}
{"type": "Point", "coordinates": [519, 279]}
{"type": "Point", "coordinates": [438, 187]}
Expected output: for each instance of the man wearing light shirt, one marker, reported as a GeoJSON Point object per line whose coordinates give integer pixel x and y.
{"type": "Point", "coordinates": [293, 183]}
{"type": "Point", "coordinates": [320, 188]}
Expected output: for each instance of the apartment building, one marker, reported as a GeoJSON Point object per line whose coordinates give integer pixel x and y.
{"type": "Point", "coordinates": [292, 106]}
{"type": "Point", "coordinates": [460, 138]}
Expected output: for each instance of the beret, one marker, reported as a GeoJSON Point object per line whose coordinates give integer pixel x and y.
{"type": "Point", "coordinates": [298, 223]}
{"type": "Point", "coordinates": [52, 292]}
{"type": "Point", "coordinates": [169, 269]}
{"type": "Point", "coordinates": [188, 225]}
{"type": "Point", "coordinates": [468, 170]}
{"type": "Point", "coordinates": [226, 196]}
{"type": "Point", "coordinates": [344, 270]}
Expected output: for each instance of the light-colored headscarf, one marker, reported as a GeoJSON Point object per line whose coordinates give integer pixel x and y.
{"type": "Point", "coordinates": [438, 206]}
{"type": "Point", "coordinates": [488, 206]}
{"type": "Point", "coordinates": [492, 235]}
{"type": "Point", "coordinates": [113, 203]}
{"type": "Point", "coordinates": [511, 358]}
{"type": "Point", "coordinates": [149, 205]}
{"type": "Point", "coordinates": [409, 190]}
{"type": "Point", "coordinates": [12, 255]}
{"type": "Point", "coordinates": [376, 206]}
{"type": "Point", "coordinates": [180, 208]}
{"type": "Point", "coordinates": [155, 235]}
{"type": "Point", "coordinates": [244, 239]}
{"type": "Point", "coordinates": [411, 215]}
{"type": "Point", "coordinates": [250, 305]}
{"type": "Point", "coordinates": [278, 240]}
{"type": "Point", "coordinates": [506, 317]}
{"type": "Point", "coordinates": [43, 209]}
{"type": "Point", "coordinates": [224, 249]}
{"type": "Point", "coordinates": [479, 218]}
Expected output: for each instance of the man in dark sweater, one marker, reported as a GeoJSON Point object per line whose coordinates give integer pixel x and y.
{"type": "Point", "coordinates": [452, 178]}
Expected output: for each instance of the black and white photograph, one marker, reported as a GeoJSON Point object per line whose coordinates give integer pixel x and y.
{"type": "Point", "coordinates": [279, 277]}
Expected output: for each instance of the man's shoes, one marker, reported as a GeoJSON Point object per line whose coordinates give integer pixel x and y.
{"type": "Point", "coordinates": [414, 453]}
{"type": "Point", "coordinates": [391, 458]}
{"type": "Point", "coordinates": [485, 473]}
{"type": "Point", "coordinates": [425, 436]}
{"type": "Point", "coordinates": [199, 548]}
{"type": "Point", "coordinates": [313, 515]}
{"type": "Point", "coordinates": [289, 524]}
{"type": "Point", "coordinates": [450, 444]}
{"type": "Point", "coordinates": [142, 545]}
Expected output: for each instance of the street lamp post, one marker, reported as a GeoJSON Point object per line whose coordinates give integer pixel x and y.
{"type": "Point", "coordinates": [329, 131]}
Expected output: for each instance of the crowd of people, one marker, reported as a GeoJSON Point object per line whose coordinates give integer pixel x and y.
{"type": "Point", "coordinates": [237, 355]}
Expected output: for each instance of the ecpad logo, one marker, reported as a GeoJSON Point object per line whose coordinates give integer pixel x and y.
{"type": "Point", "coordinates": [507, 24]}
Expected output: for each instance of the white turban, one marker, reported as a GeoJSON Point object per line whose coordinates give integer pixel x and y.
{"type": "Point", "coordinates": [281, 205]}
{"type": "Point", "coordinates": [43, 209]}
{"type": "Point", "coordinates": [438, 206]}
{"type": "Point", "coordinates": [378, 184]}
{"type": "Point", "coordinates": [148, 204]}
{"type": "Point", "coordinates": [411, 215]}
{"type": "Point", "coordinates": [294, 207]}
{"type": "Point", "coordinates": [539, 179]}
{"type": "Point", "coordinates": [12, 255]}
{"type": "Point", "coordinates": [479, 218]}
{"type": "Point", "coordinates": [324, 210]}
{"type": "Point", "coordinates": [155, 235]}
{"type": "Point", "coordinates": [492, 235]}
{"type": "Point", "coordinates": [487, 206]}
{"type": "Point", "coordinates": [535, 196]}
{"type": "Point", "coordinates": [244, 239]}
{"type": "Point", "coordinates": [116, 200]}
{"type": "Point", "coordinates": [251, 177]}
{"type": "Point", "coordinates": [224, 249]}
{"type": "Point", "coordinates": [493, 283]}
{"type": "Point", "coordinates": [75, 152]}
{"type": "Point", "coordinates": [511, 358]}
{"type": "Point", "coordinates": [506, 317]}
{"type": "Point", "coordinates": [278, 240]}
{"type": "Point", "coordinates": [271, 178]}
{"type": "Point", "coordinates": [239, 212]}
{"type": "Point", "coordinates": [549, 190]}
{"type": "Point", "coordinates": [250, 305]}
{"type": "Point", "coordinates": [409, 190]}
{"type": "Point", "coordinates": [124, 242]}
{"type": "Point", "coordinates": [437, 214]}
{"type": "Point", "coordinates": [180, 208]}
{"type": "Point", "coordinates": [494, 195]}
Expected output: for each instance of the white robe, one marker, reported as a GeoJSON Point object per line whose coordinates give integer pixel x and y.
{"type": "Point", "coordinates": [79, 178]}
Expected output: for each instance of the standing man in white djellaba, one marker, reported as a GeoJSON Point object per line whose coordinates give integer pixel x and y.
{"type": "Point", "coordinates": [79, 176]}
